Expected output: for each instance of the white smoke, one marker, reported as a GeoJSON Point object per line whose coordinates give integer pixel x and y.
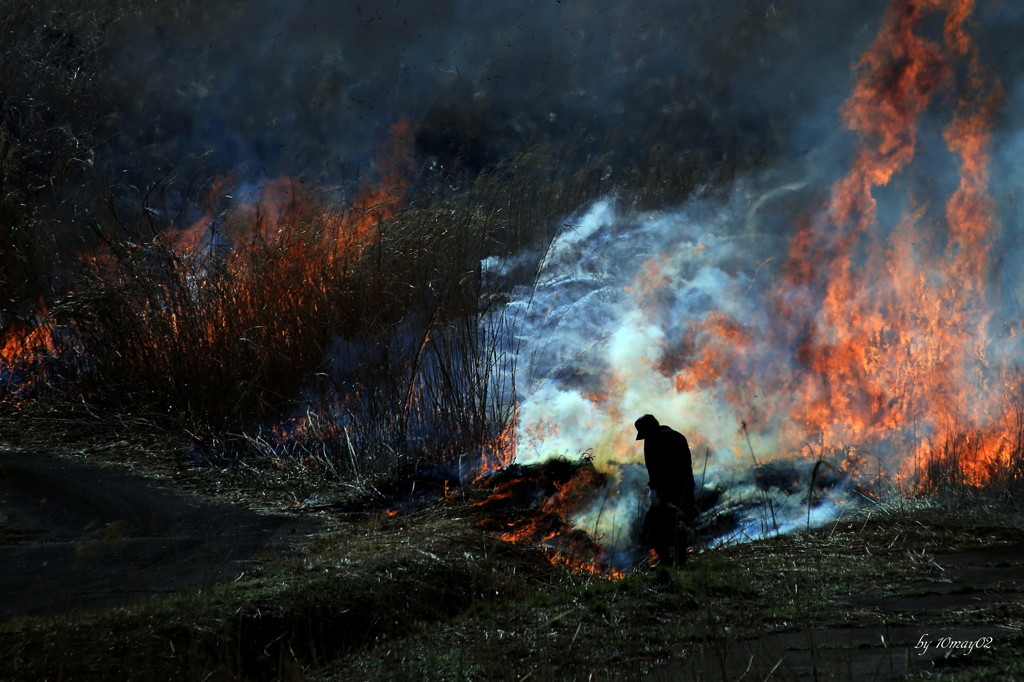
{"type": "Point", "coordinates": [600, 340]}
{"type": "Point", "coordinates": [613, 294]}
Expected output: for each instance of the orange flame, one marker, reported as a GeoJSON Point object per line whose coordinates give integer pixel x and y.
{"type": "Point", "coordinates": [892, 329]}
{"type": "Point", "coordinates": [914, 354]}
{"type": "Point", "coordinates": [23, 345]}
{"type": "Point", "coordinates": [513, 512]}
{"type": "Point", "coordinates": [883, 315]}
{"type": "Point", "coordinates": [501, 452]}
{"type": "Point", "coordinates": [21, 342]}
{"type": "Point", "coordinates": [284, 215]}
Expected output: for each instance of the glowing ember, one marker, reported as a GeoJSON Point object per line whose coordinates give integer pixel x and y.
{"type": "Point", "coordinates": [22, 341]}
{"type": "Point", "coordinates": [530, 505]}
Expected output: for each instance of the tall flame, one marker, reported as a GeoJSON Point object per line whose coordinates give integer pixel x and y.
{"type": "Point", "coordinates": [901, 337]}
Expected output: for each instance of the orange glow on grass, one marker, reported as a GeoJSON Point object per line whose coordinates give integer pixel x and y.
{"type": "Point", "coordinates": [292, 215]}
{"type": "Point", "coordinates": [23, 346]}
{"type": "Point", "coordinates": [500, 452]}
{"type": "Point", "coordinates": [21, 342]}
{"type": "Point", "coordinates": [511, 511]}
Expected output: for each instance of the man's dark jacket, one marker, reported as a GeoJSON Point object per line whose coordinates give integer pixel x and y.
{"type": "Point", "coordinates": [670, 467]}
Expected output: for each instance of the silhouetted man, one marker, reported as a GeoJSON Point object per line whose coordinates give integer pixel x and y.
{"type": "Point", "coordinates": [670, 470]}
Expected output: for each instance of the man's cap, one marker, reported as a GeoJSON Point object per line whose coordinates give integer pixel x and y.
{"type": "Point", "coordinates": [645, 426]}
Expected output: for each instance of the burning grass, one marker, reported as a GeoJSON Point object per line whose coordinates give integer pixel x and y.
{"type": "Point", "coordinates": [365, 337]}
{"type": "Point", "coordinates": [298, 318]}
{"type": "Point", "coordinates": [212, 338]}
{"type": "Point", "coordinates": [693, 622]}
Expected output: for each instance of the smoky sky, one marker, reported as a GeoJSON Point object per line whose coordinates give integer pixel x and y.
{"type": "Point", "coordinates": [308, 87]}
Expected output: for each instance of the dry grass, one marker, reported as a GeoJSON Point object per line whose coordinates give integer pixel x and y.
{"type": "Point", "coordinates": [305, 325]}
{"type": "Point", "coordinates": [425, 595]}
{"type": "Point", "coordinates": [55, 111]}
{"type": "Point", "coordinates": [698, 622]}
{"type": "Point", "coordinates": [430, 594]}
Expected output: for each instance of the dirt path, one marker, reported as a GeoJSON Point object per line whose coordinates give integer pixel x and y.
{"type": "Point", "coordinates": [77, 535]}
